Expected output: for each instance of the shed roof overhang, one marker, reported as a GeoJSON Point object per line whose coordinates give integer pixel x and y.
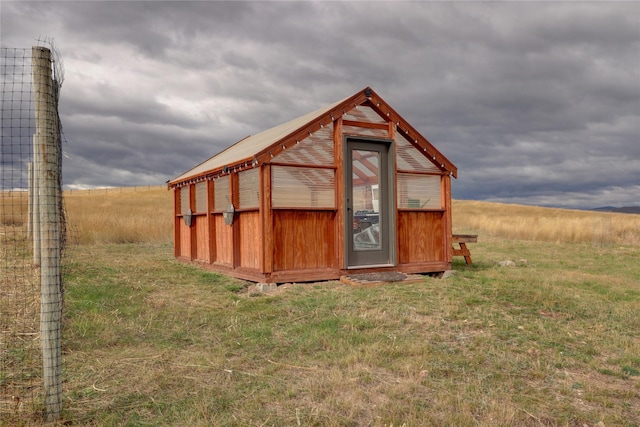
{"type": "Point", "coordinates": [261, 147]}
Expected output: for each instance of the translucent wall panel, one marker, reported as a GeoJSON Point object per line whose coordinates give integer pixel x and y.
{"type": "Point", "coordinates": [316, 149]}
{"type": "Point", "coordinates": [410, 158]}
{"type": "Point", "coordinates": [201, 197]}
{"type": "Point", "coordinates": [299, 187]}
{"type": "Point", "coordinates": [184, 200]}
{"type": "Point", "coordinates": [419, 191]}
{"type": "Point", "coordinates": [249, 188]}
{"type": "Point", "coordinates": [363, 114]}
{"type": "Point", "coordinates": [221, 194]}
{"type": "Point", "coordinates": [376, 133]}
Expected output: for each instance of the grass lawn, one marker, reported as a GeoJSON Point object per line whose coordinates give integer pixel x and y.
{"type": "Point", "coordinates": [553, 341]}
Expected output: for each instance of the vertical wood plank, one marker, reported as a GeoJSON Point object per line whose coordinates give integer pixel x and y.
{"type": "Point", "coordinates": [185, 240]}
{"type": "Point", "coordinates": [338, 155]}
{"type": "Point", "coordinates": [393, 204]}
{"type": "Point", "coordinates": [235, 227]}
{"type": "Point", "coordinates": [176, 222]}
{"type": "Point", "coordinates": [224, 241]}
{"type": "Point", "coordinates": [447, 218]}
{"type": "Point", "coordinates": [249, 239]}
{"type": "Point", "coordinates": [202, 238]}
{"type": "Point", "coordinates": [211, 237]}
{"type": "Point", "coordinates": [421, 237]}
{"type": "Point", "coordinates": [304, 240]}
{"type": "Point", "coordinates": [192, 230]}
{"type": "Point", "coordinates": [266, 220]}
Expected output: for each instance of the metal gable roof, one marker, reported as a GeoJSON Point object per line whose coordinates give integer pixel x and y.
{"type": "Point", "coordinates": [254, 144]}
{"type": "Point", "coordinates": [259, 145]}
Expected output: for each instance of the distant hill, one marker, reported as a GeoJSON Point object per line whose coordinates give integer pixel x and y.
{"type": "Point", "coordinates": [624, 209]}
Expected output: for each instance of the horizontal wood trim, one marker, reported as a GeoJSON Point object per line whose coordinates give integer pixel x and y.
{"type": "Point", "coordinates": [367, 125]}
{"type": "Point", "coordinates": [303, 165]}
{"type": "Point", "coordinates": [421, 210]}
{"type": "Point", "coordinates": [309, 275]}
{"type": "Point", "coordinates": [193, 214]}
{"type": "Point", "coordinates": [413, 172]}
{"type": "Point", "coordinates": [222, 265]}
{"type": "Point", "coordinates": [425, 267]}
{"type": "Point", "coordinates": [465, 238]}
{"type": "Point", "coordinates": [237, 211]}
{"type": "Point", "coordinates": [313, 275]}
{"type": "Point", "coordinates": [310, 209]}
{"type": "Point", "coordinates": [409, 268]}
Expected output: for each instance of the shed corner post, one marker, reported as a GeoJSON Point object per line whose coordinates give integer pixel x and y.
{"type": "Point", "coordinates": [448, 218]}
{"type": "Point", "coordinates": [176, 221]}
{"type": "Point", "coordinates": [393, 130]}
{"type": "Point", "coordinates": [338, 154]}
{"type": "Point", "coordinates": [266, 220]}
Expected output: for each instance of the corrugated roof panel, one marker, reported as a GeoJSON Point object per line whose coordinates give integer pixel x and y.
{"type": "Point", "coordinates": [316, 149]}
{"type": "Point", "coordinates": [374, 112]}
{"type": "Point", "coordinates": [250, 146]}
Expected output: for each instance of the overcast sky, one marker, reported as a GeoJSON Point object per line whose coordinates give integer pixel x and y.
{"type": "Point", "coordinates": [535, 102]}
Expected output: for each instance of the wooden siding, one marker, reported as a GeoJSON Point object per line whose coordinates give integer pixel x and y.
{"type": "Point", "coordinates": [185, 238]}
{"type": "Point", "coordinates": [304, 240]}
{"type": "Point", "coordinates": [224, 241]}
{"type": "Point", "coordinates": [339, 225]}
{"type": "Point", "coordinates": [420, 237]}
{"type": "Point", "coordinates": [176, 222]}
{"type": "Point", "coordinates": [249, 239]}
{"type": "Point", "coordinates": [202, 238]}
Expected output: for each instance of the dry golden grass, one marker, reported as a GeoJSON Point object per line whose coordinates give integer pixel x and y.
{"type": "Point", "coordinates": [19, 322]}
{"type": "Point", "coordinates": [518, 222]}
{"type": "Point", "coordinates": [13, 207]}
{"type": "Point", "coordinates": [129, 215]}
{"type": "Point", "coordinates": [119, 215]}
{"type": "Point", "coordinates": [151, 341]}
{"type": "Point", "coordinates": [144, 214]}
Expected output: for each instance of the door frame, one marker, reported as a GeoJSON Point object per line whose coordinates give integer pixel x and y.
{"type": "Point", "coordinates": [387, 200]}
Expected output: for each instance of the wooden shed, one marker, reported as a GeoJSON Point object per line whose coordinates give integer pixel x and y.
{"type": "Point", "coordinates": [349, 188]}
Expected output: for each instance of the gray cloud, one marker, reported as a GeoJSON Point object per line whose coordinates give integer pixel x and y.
{"type": "Point", "coordinates": [535, 102]}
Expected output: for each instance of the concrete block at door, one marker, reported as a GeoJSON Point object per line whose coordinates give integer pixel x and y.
{"type": "Point", "coordinates": [448, 273]}
{"type": "Point", "coordinates": [266, 287]}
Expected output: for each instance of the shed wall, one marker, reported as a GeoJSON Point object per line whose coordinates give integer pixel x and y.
{"type": "Point", "coordinates": [305, 240]}
{"type": "Point", "coordinates": [300, 236]}
{"type": "Point", "coordinates": [249, 239]}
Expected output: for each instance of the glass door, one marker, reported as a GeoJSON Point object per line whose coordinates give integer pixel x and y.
{"type": "Point", "coordinates": [367, 203]}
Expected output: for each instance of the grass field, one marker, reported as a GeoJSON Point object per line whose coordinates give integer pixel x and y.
{"type": "Point", "coordinates": [552, 341]}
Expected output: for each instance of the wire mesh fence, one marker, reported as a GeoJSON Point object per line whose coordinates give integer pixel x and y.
{"type": "Point", "coordinates": [31, 237]}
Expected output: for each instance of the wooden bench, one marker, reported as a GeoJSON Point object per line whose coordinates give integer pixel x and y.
{"type": "Point", "coordinates": [462, 240]}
